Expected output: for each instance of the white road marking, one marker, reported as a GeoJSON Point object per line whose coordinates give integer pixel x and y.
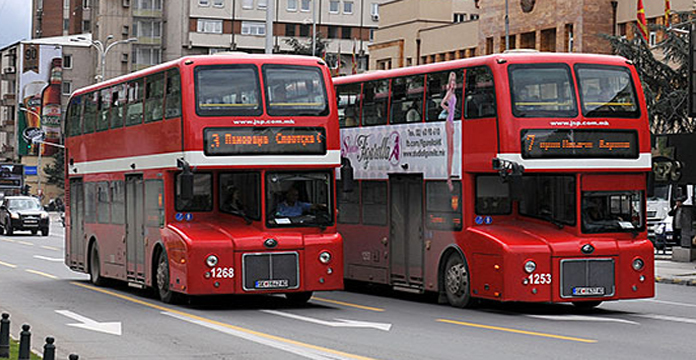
{"type": "Point", "coordinates": [581, 318]}
{"type": "Point", "coordinates": [310, 353]}
{"type": "Point", "coordinates": [668, 318]}
{"type": "Point", "coordinates": [336, 323]}
{"type": "Point", "coordinates": [113, 328]}
{"type": "Point", "coordinates": [670, 302]}
{"type": "Point", "coordinates": [8, 265]}
{"type": "Point", "coordinates": [48, 258]}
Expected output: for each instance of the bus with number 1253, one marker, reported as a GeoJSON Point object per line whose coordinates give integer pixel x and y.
{"type": "Point", "coordinates": [510, 177]}
{"type": "Point", "coordinates": [207, 175]}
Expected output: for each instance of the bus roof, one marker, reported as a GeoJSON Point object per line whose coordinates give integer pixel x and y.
{"type": "Point", "coordinates": [227, 57]}
{"type": "Point", "coordinates": [512, 57]}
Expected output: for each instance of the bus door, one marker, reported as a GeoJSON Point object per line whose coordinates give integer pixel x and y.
{"type": "Point", "coordinates": [406, 230]}
{"type": "Point", "coordinates": [135, 228]}
{"type": "Point", "coordinates": [77, 226]}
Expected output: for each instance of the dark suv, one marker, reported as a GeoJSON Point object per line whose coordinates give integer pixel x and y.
{"type": "Point", "coordinates": [23, 213]}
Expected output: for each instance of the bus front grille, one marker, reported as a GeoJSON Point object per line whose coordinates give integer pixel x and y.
{"type": "Point", "coordinates": [582, 278]}
{"type": "Point", "coordinates": [270, 271]}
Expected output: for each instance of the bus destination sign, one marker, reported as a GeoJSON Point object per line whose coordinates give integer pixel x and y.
{"type": "Point", "coordinates": [265, 141]}
{"type": "Point", "coordinates": [585, 143]}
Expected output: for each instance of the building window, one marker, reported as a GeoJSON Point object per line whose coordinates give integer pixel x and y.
{"type": "Point", "coordinates": [86, 26]}
{"type": "Point", "coordinates": [304, 30]}
{"type": "Point", "coordinates": [374, 9]}
{"type": "Point", "coordinates": [292, 5]}
{"type": "Point", "coordinates": [346, 32]}
{"type": "Point", "coordinates": [67, 87]}
{"type": "Point", "coordinates": [253, 28]}
{"type": "Point", "coordinates": [67, 61]}
{"type": "Point", "coordinates": [474, 17]}
{"type": "Point", "coordinates": [262, 4]}
{"type": "Point", "coordinates": [459, 17]}
{"type": "Point", "coordinates": [305, 5]}
{"type": "Point", "coordinates": [290, 30]}
{"type": "Point", "coordinates": [148, 28]}
{"type": "Point", "coordinates": [147, 56]}
{"type": "Point", "coordinates": [85, 4]}
{"type": "Point", "coordinates": [209, 26]}
{"type": "Point", "coordinates": [348, 7]}
{"type": "Point", "coordinates": [372, 35]}
{"type": "Point", "coordinates": [219, 3]}
{"type": "Point", "coordinates": [66, 24]}
{"type": "Point", "coordinates": [203, 2]}
{"type": "Point", "coordinates": [333, 32]}
{"type": "Point", "coordinates": [333, 6]}
{"type": "Point", "coordinates": [622, 29]}
{"type": "Point", "coordinates": [247, 4]}
{"type": "Point", "coordinates": [157, 4]}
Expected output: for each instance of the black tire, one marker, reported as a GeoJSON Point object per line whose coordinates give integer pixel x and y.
{"type": "Point", "coordinates": [44, 232]}
{"type": "Point", "coordinates": [9, 230]}
{"type": "Point", "coordinates": [456, 281]}
{"type": "Point", "coordinates": [162, 280]}
{"type": "Point", "coordinates": [2, 230]}
{"type": "Point", "coordinates": [34, 232]}
{"type": "Point", "coordinates": [586, 305]}
{"type": "Point", "coordinates": [299, 298]}
{"type": "Point", "coordinates": [95, 276]}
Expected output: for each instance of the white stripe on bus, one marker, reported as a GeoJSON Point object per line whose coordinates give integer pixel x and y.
{"type": "Point", "coordinates": [644, 162]}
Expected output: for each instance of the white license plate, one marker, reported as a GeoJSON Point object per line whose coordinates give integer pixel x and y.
{"type": "Point", "coordinates": [271, 284]}
{"type": "Point", "coordinates": [586, 291]}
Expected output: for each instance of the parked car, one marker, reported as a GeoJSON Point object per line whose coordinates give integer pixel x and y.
{"type": "Point", "coordinates": [23, 213]}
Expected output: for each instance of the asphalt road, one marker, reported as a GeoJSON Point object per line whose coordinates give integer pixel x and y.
{"type": "Point", "coordinates": [366, 323]}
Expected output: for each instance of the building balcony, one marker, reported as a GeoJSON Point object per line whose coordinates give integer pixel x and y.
{"type": "Point", "coordinates": [146, 40]}
{"type": "Point", "coordinates": [147, 13]}
{"type": "Point", "coordinates": [9, 100]}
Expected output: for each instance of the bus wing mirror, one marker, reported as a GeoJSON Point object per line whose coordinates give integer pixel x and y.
{"type": "Point", "coordinates": [650, 185]}
{"type": "Point", "coordinates": [186, 186]}
{"type": "Point", "coordinates": [347, 175]}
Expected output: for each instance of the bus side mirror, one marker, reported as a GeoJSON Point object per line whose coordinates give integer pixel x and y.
{"type": "Point", "coordinates": [347, 175]}
{"type": "Point", "coordinates": [650, 185]}
{"type": "Point", "coordinates": [186, 186]}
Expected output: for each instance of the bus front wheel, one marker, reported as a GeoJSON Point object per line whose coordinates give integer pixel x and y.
{"type": "Point", "coordinates": [95, 267]}
{"type": "Point", "coordinates": [165, 293]}
{"type": "Point", "coordinates": [457, 284]}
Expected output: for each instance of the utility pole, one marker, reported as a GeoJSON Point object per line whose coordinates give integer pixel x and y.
{"type": "Point", "coordinates": [270, 10]}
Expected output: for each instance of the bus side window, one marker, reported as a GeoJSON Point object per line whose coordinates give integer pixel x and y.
{"type": "Point", "coordinates": [172, 101]}
{"type": "Point", "coordinates": [479, 95]}
{"type": "Point", "coordinates": [492, 196]}
{"type": "Point", "coordinates": [348, 99]}
{"type": "Point", "coordinates": [103, 202]}
{"type": "Point", "coordinates": [375, 96]}
{"type": "Point", "coordinates": [118, 202]}
{"type": "Point", "coordinates": [74, 117]}
{"type": "Point", "coordinates": [348, 205]}
{"type": "Point", "coordinates": [104, 107]}
{"type": "Point", "coordinates": [407, 99]}
{"type": "Point", "coordinates": [90, 202]}
{"type": "Point", "coordinates": [134, 114]}
{"type": "Point", "coordinates": [374, 202]}
{"type": "Point", "coordinates": [154, 96]}
{"type": "Point", "coordinates": [443, 207]}
{"type": "Point", "coordinates": [118, 103]}
{"type": "Point", "coordinates": [437, 89]}
{"type": "Point", "coordinates": [154, 203]}
{"type": "Point", "coordinates": [91, 112]}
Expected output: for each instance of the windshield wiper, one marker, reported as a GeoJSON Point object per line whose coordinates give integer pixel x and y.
{"type": "Point", "coordinates": [242, 214]}
{"type": "Point", "coordinates": [550, 219]}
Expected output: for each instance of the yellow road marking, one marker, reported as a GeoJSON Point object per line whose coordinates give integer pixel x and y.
{"type": "Point", "coordinates": [8, 265]}
{"type": "Point", "coordinates": [41, 273]}
{"type": "Point", "coordinates": [533, 333]}
{"type": "Point", "coordinates": [50, 248]}
{"type": "Point", "coordinates": [24, 243]}
{"type": "Point", "coordinates": [8, 240]}
{"type": "Point", "coordinates": [218, 323]}
{"type": "Point", "coordinates": [346, 304]}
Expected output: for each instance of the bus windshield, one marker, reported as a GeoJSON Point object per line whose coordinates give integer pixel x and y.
{"type": "Point", "coordinates": [661, 192]}
{"type": "Point", "coordinates": [295, 90]}
{"type": "Point", "coordinates": [606, 91]}
{"type": "Point", "coordinates": [299, 199]}
{"type": "Point", "coordinates": [549, 197]}
{"type": "Point", "coordinates": [227, 90]}
{"type": "Point", "coordinates": [542, 91]}
{"type": "Point", "coordinates": [619, 211]}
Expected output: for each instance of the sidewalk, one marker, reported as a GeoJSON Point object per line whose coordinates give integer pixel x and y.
{"type": "Point", "coordinates": [672, 272]}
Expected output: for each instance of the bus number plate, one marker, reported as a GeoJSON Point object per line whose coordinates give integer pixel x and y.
{"type": "Point", "coordinates": [588, 291]}
{"type": "Point", "coordinates": [271, 284]}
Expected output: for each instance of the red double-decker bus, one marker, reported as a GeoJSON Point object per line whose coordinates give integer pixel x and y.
{"type": "Point", "coordinates": [512, 177]}
{"type": "Point", "coordinates": [207, 175]}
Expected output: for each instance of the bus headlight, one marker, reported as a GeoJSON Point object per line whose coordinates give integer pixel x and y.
{"type": "Point", "coordinates": [638, 264]}
{"type": "Point", "coordinates": [529, 266]}
{"type": "Point", "coordinates": [211, 261]}
{"type": "Point", "coordinates": [325, 257]}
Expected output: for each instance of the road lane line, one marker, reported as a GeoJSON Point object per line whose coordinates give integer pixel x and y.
{"type": "Point", "coordinates": [50, 248]}
{"type": "Point", "coordinates": [41, 273]}
{"type": "Point", "coordinates": [48, 258]}
{"type": "Point", "coordinates": [346, 304]}
{"type": "Point", "coordinates": [516, 331]}
{"type": "Point", "coordinates": [668, 318]}
{"type": "Point", "coordinates": [8, 240]}
{"type": "Point", "coordinates": [670, 302]}
{"type": "Point", "coordinates": [8, 265]}
{"type": "Point", "coordinates": [25, 243]}
{"type": "Point", "coordinates": [297, 346]}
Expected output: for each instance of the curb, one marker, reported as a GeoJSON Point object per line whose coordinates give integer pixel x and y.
{"type": "Point", "coordinates": [664, 280]}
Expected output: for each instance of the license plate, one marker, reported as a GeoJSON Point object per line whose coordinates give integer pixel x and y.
{"type": "Point", "coordinates": [585, 291]}
{"type": "Point", "coordinates": [271, 284]}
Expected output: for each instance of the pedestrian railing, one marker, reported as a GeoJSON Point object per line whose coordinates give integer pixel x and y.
{"type": "Point", "coordinates": [24, 353]}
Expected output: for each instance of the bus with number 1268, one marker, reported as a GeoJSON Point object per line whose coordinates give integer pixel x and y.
{"type": "Point", "coordinates": [510, 177]}
{"type": "Point", "coordinates": [207, 175]}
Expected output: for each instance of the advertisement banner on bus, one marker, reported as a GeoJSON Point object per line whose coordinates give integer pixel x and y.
{"type": "Point", "coordinates": [408, 148]}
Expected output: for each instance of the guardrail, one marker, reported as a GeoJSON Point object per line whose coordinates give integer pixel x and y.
{"type": "Point", "coordinates": [49, 349]}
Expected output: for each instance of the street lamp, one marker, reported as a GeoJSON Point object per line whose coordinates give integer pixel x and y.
{"type": "Point", "coordinates": [36, 140]}
{"type": "Point", "coordinates": [103, 49]}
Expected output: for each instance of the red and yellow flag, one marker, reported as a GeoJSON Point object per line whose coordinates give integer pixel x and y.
{"type": "Point", "coordinates": [668, 13]}
{"type": "Point", "coordinates": [642, 23]}
{"type": "Point", "coordinates": [354, 61]}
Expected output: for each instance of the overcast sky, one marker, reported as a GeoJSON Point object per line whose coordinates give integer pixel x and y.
{"type": "Point", "coordinates": [15, 21]}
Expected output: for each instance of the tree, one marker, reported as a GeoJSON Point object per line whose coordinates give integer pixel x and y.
{"type": "Point", "coordinates": [664, 78]}
{"type": "Point", "coordinates": [305, 48]}
{"type": "Point", "coordinates": [56, 172]}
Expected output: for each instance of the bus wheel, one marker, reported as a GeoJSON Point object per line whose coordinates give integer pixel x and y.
{"type": "Point", "coordinates": [457, 283]}
{"type": "Point", "coordinates": [95, 267]}
{"type": "Point", "coordinates": [586, 305]}
{"type": "Point", "coordinates": [165, 293]}
{"type": "Point", "coordinates": [299, 298]}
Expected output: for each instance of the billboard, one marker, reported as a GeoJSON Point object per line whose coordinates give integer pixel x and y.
{"type": "Point", "coordinates": [39, 93]}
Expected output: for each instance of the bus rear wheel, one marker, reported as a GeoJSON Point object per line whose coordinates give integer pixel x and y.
{"type": "Point", "coordinates": [299, 298]}
{"type": "Point", "coordinates": [162, 278]}
{"type": "Point", "coordinates": [456, 280]}
{"type": "Point", "coordinates": [95, 267]}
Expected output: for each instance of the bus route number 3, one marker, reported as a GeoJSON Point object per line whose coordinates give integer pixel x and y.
{"type": "Point", "coordinates": [539, 279]}
{"type": "Point", "coordinates": [222, 272]}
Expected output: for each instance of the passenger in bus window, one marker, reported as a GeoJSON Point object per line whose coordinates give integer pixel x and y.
{"type": "Point", "coordinates": [449, 104]}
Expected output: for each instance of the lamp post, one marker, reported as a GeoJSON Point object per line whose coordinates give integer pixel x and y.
{"type": "Point", "coordinates": [103, 49]}
{"type": "Point", "coordinates": [41, 143]}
